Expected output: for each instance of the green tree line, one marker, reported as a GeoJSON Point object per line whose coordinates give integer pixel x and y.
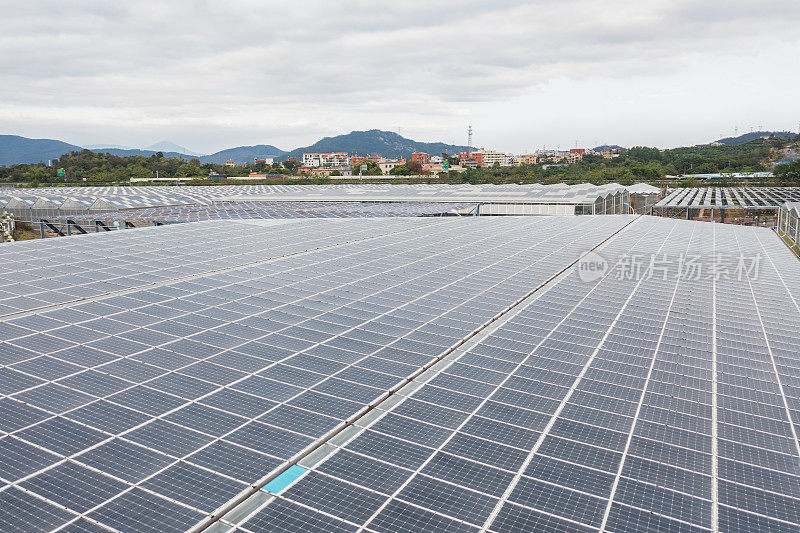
{"type": "Point", "coordinates": [633, 165]}
{"type": "Point", "coordinates": [96, 167]}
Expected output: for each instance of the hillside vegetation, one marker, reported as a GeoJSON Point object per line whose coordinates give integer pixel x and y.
{"type": "Point", "coordinates": [633, 165]}
{"type": "Point", "coordinates": [15, 150]}
{"type": "Point", "coordinates": [375, 142]}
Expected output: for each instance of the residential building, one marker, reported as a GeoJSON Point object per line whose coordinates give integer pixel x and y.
{"type": "Point", "coordinates": [266, 160]}
{"type": "Point", "coordinates": [338, 159]}
{"type": "Point", "coordinates": [420, 157]}
{"type": "Point", "coordinates": [609, 154]}
{"type": "Point", "coordinates": [358, 159]}
{"type": "Point", "coordinates": [230, 163]}
{"type": "Point", "coordinates": [526, 159]}
{"type": "Point", "coordinates": [559, 156]}
{"type": "Point", "coordinates": [489, 158]}
{"type": "Point", "coordinates": [327, 171]}
{"type": "Point", "coordinates": [438, 168]}
{"type": "Point", "coordinates": [387, 166]}
{"type": "Point", "coordinates": [574, 155]}
{"type": "Point", "coordinates": [312, 160]}
{"type": "Point", "coordinates": [471, 159]}
{"type": "Point", "coordinates": [333, 159]}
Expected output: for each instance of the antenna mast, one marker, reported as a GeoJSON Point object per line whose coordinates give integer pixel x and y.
{"type": "Point", "coordinates": [469, 139]}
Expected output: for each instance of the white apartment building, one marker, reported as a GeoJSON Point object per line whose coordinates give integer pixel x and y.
{"type": "Point", "coordinates": [333, 159]}
{"type": "Point", "coordinates": [490, 157]}
{"type": "Point", "coordinates": [387, 166]}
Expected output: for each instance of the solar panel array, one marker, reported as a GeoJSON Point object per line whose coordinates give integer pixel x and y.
{"type": "Point", "coordinates": [35, 274]}
{"type": "Point", "coordinates": [659, 403]}
{"type": "Point", "coordinates": [145, 404]}
{"type": "Point", "coordinates": [34, 204]}
{"type": "Point", "coordinates": [427, 374]}
{"type": "Point", "coordinates": [270, 210]}
{"type": "Point", "coordinates": [385, 192]}
{"type": "Point", "coordinates": [192, 203]}
{"type": "Point", "coordinates": [731, 197]}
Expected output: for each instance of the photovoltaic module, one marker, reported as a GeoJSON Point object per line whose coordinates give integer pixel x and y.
{"type": "Point", "coordinates": [423, 374]}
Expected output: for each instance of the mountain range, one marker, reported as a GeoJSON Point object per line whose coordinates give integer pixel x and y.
{"type": "Point", "coordinates": [753, 135]}
{"type": "Point", "coordinates": [604, 147]}
{"type": "Point", "coordinates": [167, 146]}
{"type": "Point", "coordinates": [15, 149]}
{"type": "Point", "coordinates": [374, 142]}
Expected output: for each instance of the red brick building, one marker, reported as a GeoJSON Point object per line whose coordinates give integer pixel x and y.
{"type": "Point", "coordinates": [420, 157]}
{"type": "Point", "coordinates": [477, 157]}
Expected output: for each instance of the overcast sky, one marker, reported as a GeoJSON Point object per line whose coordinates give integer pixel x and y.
{"type": "Point", "coordinates": [215, 74]}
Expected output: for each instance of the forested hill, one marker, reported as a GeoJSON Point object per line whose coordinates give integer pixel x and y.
{"type": "Point", "coordinates": [375, 142]}
{"type": "Point", "coordinates": [372, 142]}
{"type": "Point", "coordinates": [754, 135]}
{"type": "Point", "coordinates": [15, 150]}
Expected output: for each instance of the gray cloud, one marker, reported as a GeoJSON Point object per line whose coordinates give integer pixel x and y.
{"type": "Point", "coordinates": [284, 68]}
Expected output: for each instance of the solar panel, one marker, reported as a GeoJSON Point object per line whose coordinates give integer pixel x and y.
{"type": "Point", "coordinates": [414, 375]}
{"type": "Point", "coordinates": [275, 210]}
{"type": "Point", "coordinates": [184, 364]}
{"type": "Point", "coordinates": [731, 197]}
{"type": "Point", "coordinates": [661, 402]}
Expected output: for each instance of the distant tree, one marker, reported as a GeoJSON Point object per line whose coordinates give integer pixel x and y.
{"type": "Point", "coordinates": [401, 170]}
{"type": "Point", "coordinates": [372, 169]}
{"type": "Point", "coordinates": [138, 171]}
{"type": "Point", "coordinates": [291, 165]}
{"type": "Point", "coordinates": [593, 159]}
{"type": "Point", "coordinates": [452, 160]}
{"type": "Point", "coordinates": [186, 170]}
{"type": "Point", "coordinates": [645, 171]}
{"type": "Point", "coordinates": [40, 173]}
{"type": "Point", "coordinates": [788, 173]}
{"type": "Point", "coordinates": [644, 153]}
{"type": "Point", "coordinates": [706, 168]}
